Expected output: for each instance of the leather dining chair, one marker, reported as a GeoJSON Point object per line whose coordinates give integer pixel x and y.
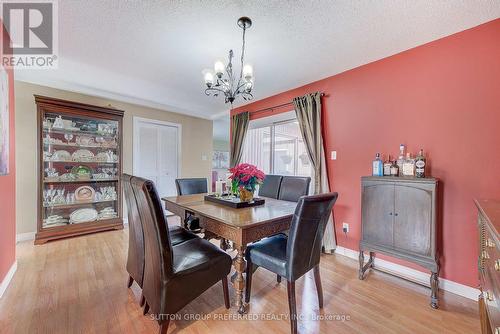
{"type": "Point", "coordinates": [135, 257]}
{"type": "Point", "coordinates": [191, 186]}
{"type": "Point", "coordinates": [293, 187]}
{"type": "Point", "coordinates": [174, 275]}
{"type": "Point", "coordinates": [294, 255]}
{"type": "Point", "coordinates": [271, 186]}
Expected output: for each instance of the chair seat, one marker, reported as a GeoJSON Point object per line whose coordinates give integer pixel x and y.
{"type": "Point", "coordinates": [179, 235]}
{"type": "Point", "coordinates": [198, 254]}
{"type": "Point", "coordinates": [269, 253]}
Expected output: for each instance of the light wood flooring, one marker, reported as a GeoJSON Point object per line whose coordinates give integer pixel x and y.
{"type": "Point", "coordinates": [78, 285]}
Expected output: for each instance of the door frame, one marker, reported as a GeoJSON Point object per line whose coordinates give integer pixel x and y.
{"type": "Point", "coordinates": [135, 142]}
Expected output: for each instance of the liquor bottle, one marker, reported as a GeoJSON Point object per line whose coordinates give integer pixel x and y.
{"type": "Point", "coordinates": [394, 169]}
{"type": "Point", "coordinates": [377, 168]}
{"type": "Point", "coordinates": [420, 164]}
{"type": "Point", "coordinates": [387, 166]}
{"type": "Point", "coordinates": [401, 158]}
{"type": "Point", "coordinates": [409, 166]}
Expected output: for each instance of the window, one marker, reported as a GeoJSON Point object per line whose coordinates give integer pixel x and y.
{"type": "Point", "coordinates": [277, 147]}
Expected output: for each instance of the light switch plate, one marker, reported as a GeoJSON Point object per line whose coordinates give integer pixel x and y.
{"type": "Point", "coordinates": [204, 157]}
{"type": "Point", "coordinates": [334, 155]}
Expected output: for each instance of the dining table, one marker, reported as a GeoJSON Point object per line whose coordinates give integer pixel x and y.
{"type": "Point", "coordinates": [242, 226]}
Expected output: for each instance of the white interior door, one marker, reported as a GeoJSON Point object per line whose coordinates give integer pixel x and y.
{"type": "Point", "coordinates": [156, 153]}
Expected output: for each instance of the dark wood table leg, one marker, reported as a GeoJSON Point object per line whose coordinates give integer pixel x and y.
{"type": "Point", "coordinates": [240, 264]}
{"type": "Point", "coordinates": [434, 289]}
{"type": "Point", "coordinates": [362, 266]}
{"type": "Point", "coordinates": [361, 263]}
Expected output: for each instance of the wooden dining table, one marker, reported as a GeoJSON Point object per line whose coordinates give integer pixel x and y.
{"type": "Point", "coordinates": [241, 226]}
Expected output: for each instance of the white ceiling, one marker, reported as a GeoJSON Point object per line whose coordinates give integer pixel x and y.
{"type": "Point", "coordinates": [153, 52]}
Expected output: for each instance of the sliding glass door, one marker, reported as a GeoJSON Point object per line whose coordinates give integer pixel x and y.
{"type": "Point", "coordinates": [277, 148]}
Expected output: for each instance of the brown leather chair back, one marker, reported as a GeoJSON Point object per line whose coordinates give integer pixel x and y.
{"type": "Point", "coordinates": [135, 258]}
{"type": "Point", "coordinates": [158, 249]}
{"type": "Point", "coordinates": [306, 233]}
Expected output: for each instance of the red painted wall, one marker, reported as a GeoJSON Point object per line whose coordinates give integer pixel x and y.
{"type": "Point", "coordinates": [444, 97]}
{"type": "Point", "coordinates": [8, 190]}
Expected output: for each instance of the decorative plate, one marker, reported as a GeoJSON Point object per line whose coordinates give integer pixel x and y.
{"type": "Point", "coordinates": [101, 157]}
{"type": "Point", "coordinates": [61, 155]}
{"type": "Point", "coordinates": [83, 215]}
{"type": "Point", "coordinates": [85, 141]}
{"type": "Point", "coordinates": [82, 172]}
{"type": "Point", "coordinates": [83, 155]}
{"type": "Point", "coordinates": [84, 194]}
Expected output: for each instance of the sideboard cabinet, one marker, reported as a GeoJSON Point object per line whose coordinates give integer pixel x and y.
{"type": "Point", "coordinates": [489, 265]}
{"type": "Point", "coordinates": [398, 219]}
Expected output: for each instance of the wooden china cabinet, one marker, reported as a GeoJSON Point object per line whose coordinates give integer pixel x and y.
{"type": "Point", "coordinates": [80, 163]}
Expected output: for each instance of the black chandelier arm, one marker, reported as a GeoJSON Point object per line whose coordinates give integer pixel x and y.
{"type": "Point", "coordinates": [247, 96]}
{"type": "Point", "coordinates": [219, 82]}
{"type": "Point", "coordinates": [241, 85]}
{"type": "Point", "coordinates": [213, 90]}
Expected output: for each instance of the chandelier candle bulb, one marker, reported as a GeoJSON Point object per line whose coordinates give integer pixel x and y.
{"type": "Point", "coordinates": [219, 68]}
{"type": "Point", "coordinates": [248, 72]}
{"type": "Point", "coordinates": [209, 78]}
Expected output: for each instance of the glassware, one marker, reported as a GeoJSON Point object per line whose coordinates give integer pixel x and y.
{"type": "Point", "coordinates": [68, 137]}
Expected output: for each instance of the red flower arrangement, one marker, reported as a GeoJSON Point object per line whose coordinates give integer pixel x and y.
{"type": "Point", "coordinates": [246, 176]}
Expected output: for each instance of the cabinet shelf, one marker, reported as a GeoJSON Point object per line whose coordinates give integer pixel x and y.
{"type": "Point", "coordinates": [114, 147]}
{"type": "Point", "coordinates": [78, 132]}
{"type": "Point", "coordinates": [76, 204]}
{"type": "Point", "coordinates": [80, 181]}
{"type": "Point", "coordinates": [81, 162]}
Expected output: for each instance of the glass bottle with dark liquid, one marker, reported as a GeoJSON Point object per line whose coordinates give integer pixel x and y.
{"type": "Point", "coordinates": [420, 163]}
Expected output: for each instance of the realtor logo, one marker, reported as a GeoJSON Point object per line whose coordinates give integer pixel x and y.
{"type": "Point", "coordinates": [32, 27]}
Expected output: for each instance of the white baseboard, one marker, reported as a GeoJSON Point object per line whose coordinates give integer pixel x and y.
{"type": "Point", "coordinates": [8, 278]}
{"type": "Point", "coordinates": [414, 275]}
{"type": "Point", "coordinates": [25, 236]}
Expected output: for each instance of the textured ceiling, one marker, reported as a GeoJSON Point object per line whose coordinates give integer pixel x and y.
{"type": "Point", "coordinates": [153, 52]}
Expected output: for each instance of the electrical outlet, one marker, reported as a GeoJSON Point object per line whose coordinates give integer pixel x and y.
{"type": "Point", "coordinates": [345, 228]}
{"type": "Point", "coordinates": [334, 155]}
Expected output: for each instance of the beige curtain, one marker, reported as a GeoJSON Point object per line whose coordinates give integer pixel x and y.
{"type": "Point", "coordinates": [308, 110]}
{"type": "Point", "coordinates": [239, 127]}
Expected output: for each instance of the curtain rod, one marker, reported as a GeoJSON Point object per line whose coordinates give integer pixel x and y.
{"type": "Point", "coordinates": [278, 106]}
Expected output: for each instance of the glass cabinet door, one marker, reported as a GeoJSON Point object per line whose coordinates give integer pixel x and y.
{"type": "Point", "coordinates": [81, 167]}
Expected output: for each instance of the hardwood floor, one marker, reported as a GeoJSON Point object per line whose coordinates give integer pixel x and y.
{"type": "Point", "coordinates": [79, 285]}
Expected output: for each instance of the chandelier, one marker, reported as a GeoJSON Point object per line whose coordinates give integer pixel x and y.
{"type": "Point", "coordinates": [222, 79]}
